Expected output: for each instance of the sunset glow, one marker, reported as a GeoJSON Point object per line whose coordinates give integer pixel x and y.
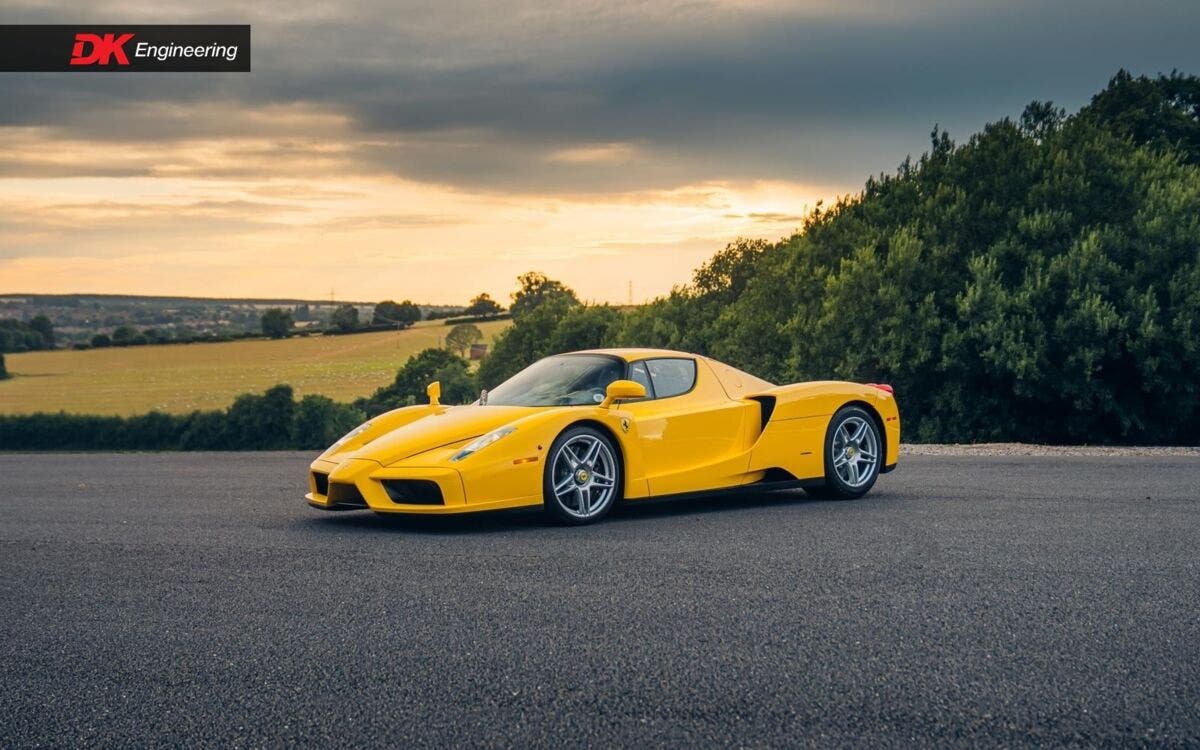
{"type": "Point", "coordinates": [438, 152]}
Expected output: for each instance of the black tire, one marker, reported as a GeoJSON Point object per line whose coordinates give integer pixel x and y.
{"type": "Point", "coordinates": [838, 486]}
{"type": "Point", "coordinates": [575, 503]}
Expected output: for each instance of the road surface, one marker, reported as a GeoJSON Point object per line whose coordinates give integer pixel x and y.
{"type": "Point", "coordinates": [160, 599]}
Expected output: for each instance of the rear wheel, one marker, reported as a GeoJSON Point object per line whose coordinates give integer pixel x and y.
{"type": "Point", "coordinates": [582, 479]}
{"type": "Point", "coordinates": [853, 455]}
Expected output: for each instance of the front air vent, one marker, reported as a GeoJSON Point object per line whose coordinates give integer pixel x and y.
{"type": "Point", "coordinates": [413, 491]}
{"type": "Point", "coordinates": [321, 482]}
{"type": "Point", "coordinates": [346, 495]}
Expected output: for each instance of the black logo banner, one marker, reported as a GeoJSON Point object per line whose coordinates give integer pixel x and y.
{"type": "Point", "coordinates": [130, 48]}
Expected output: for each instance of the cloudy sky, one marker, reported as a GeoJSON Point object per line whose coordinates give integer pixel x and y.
{"type": "Point", "coordinates": [432, 150]}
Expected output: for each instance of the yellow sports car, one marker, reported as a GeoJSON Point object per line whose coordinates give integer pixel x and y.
{"type": "Point", "coordinates": [578, 432]}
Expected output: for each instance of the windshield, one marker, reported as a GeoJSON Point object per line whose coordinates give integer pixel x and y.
{"type": "Point", "coordinates": [565, 380]}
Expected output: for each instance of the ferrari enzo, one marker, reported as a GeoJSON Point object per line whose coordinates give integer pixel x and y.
{"type": "Point", "coordinates": [577, 433]}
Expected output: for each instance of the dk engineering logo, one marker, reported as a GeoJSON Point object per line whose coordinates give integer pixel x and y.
{"type": "Point", "coordinates": [131, 48]}
{"type": "Point", "coordinates": [111, 48]}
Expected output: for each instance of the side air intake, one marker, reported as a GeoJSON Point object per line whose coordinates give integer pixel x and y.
{"type": "Point", "coordinates": [767, 408]}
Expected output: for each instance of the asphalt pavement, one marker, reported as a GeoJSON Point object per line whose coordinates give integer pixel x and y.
{"type": "Point", "coordinates": [167, 599]}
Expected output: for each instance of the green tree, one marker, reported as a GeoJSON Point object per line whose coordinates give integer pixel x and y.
{"type": "Point", "coordinates": [526, 341]}
{"type": "Point", "coordinates": [261, 422]}
{"type": "Point", "coordinates": [554, 327]}
{"type": "Point", "coordinates": [45, 328]}
{"type": "Point", "coordinates": [3, 370]}
{"type": "Point", "coordinates": [402, 314]}
{"type": "Point", "coordinates": [536, 290]}
{"type": "Point", "coordinates": [345, 318]}
{"type": "Point", "coordinates": [154, 336]}
{"type": "Point", "coordinates": [125, 336]}
{"type": "Point", "coordinates": [276, 323]}
{"type": "Point", "coordinates": [101, 340]}
{"type": "Point", "coordinates": [723, 278]}
{"type": "Point", "coordinates": [1159, 112]}
{"type": "Point", "coordinates": [319, 421]}
{"type": "Point", "coordinates": [694, 317]}
{"type": "Point", "coordinates": [462, 336]}
{"type": "Point", "coordinates": [585, 327]}
{"type": "Point", "coordinates": [458, 386]}
{"type": "Point", "coordinates": [17, 336]}
{"type": "Point", "coordinates": [1035, 283]}
{"type": "Point", "coordinates": [483, 305]}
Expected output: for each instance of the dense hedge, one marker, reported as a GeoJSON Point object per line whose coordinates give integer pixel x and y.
{"type": "Point", "coordinates": [271, 421]}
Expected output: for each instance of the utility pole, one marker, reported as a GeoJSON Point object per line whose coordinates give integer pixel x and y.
{"type": "Point", "coordinates": [631, 291]}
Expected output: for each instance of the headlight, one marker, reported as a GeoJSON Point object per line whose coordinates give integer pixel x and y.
{"type": "Point", "coordinates": [352, 433]}
{"type": "Point", "coordinates": [482, 442]}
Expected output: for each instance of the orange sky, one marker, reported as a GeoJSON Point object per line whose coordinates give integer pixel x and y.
{"type": "Point", "coordinates": [251, 216]}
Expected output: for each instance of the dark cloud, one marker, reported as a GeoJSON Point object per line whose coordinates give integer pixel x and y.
{"type": "Point", "coordinates": [484, 95]}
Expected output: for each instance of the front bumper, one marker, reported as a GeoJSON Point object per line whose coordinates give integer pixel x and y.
{"type": "Point", "coordinates": [359, 484]}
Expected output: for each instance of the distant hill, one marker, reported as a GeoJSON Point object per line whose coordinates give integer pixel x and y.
{"type": "Point", "coordinates": [68, 299]}
{"type": "Point", "coordinates": [77, 318]}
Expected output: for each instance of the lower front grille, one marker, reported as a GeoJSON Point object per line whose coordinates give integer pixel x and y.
{"type": "Point", "coordinates": [413, 491]}
{"type": "Point", "coordinates": [346, 494]}
{"type": "Point", "coordinates": [321, 480]}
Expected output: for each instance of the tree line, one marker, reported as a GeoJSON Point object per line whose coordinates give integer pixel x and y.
{"type": "Point", "coordinates": [37, 333]}
{"type": "Point", "coordinates": [277, 322]}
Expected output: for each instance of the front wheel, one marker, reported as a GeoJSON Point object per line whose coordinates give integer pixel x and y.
{"type": "Point", "coordinates": [582, 479]}
{"type": "Point", "coordinates": [853, 455]}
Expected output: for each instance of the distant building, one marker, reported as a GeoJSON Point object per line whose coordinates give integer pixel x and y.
{"type": "Point", "coordinates": [478, 351]}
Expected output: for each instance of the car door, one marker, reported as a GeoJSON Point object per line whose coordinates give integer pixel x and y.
{"type": "Point", "coordinates": [689, 429]}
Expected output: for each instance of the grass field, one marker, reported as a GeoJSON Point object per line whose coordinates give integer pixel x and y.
{"type": "Point", "coordinates": [182, 377]}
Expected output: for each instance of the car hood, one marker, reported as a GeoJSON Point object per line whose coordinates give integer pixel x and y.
{"type": "Point", "coordinates": [454, 425]}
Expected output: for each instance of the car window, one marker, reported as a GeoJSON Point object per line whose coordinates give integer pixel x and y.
{"type": "Point", "coordinates": [638, 374]}
{"type": "Point", "coordinates": [563, 380]}
{"type": "Point", "coordinates": [671, 377]}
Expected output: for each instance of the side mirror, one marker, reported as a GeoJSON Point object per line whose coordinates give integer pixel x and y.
{"type": "Point", "coordinates": [434, 391]}
{"type": "Point", "coordinates": [622, 390]}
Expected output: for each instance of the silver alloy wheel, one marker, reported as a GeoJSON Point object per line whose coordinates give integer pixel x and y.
{"type": "Point", "coordinates": [855, 451]}
{"type": "Point", "coordinates": [584, 476]}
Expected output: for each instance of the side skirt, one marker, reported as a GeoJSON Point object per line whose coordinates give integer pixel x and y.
{"type": "Point", "coordinates": [741, 489]}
